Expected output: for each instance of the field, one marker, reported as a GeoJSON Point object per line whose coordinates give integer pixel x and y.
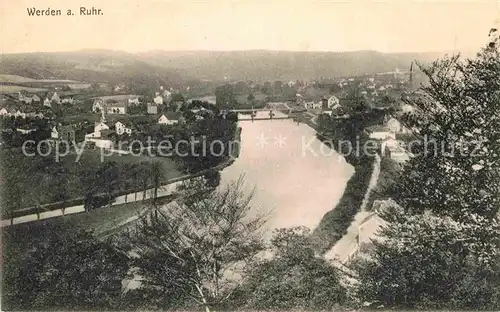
{"type": "Point", "coordinates": [21, 79]}
{"type": "Point", "coordinates": [14, 83]}
{"type": "Point", "coordinates": [116, 97]}
{"type": "Point", "coordinates": [15, 89]}
{"type": "Point", "coordinates": [44, 180]}
{"type": "Point", "coordinates": [169, 167]}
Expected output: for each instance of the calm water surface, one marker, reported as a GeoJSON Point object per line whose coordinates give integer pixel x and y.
{"type": "Point", "coordinates": [294, 185]}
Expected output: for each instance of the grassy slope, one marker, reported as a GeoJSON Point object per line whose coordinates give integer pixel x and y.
{"type": "Point", "coordinates": [40, 182]}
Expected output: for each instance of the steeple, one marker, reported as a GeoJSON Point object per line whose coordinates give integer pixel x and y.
{"type": "Point", "coordinates": [103, 117]}
{"type": "Point", "coordinates": [411, 76]}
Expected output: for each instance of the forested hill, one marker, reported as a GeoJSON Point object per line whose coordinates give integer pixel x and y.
{"type": "Point", "coordinates": [176, 68]}
{"type": "Point", "coordinates": [279, 65]}
{"type": "Point", "coordinates": [92, 66]}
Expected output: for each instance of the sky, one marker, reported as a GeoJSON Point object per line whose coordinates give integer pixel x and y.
{"type": "Point", "coordinates": [295, 25]}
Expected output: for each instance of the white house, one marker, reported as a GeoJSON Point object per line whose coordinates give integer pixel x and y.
{"type": "Point", "coordinates": [19, 114]}
{"type": "Point", "coordinates": [46, 102]}
{"type": "Point", "coordinates": [332, 101]}
{"type": "Point", "coordinates": [68, 100]}
{"type": "Point", "coordinates": [97, 106]}
{"type": "Point", "coordinates": [4, 112]}
{"type": "Point", "coordinates": [379, 132]}
{"type": "Point", "coordinates": [103, 143]}
{"type": "Point", "coordinates": [116, 108]}
{"type": "Point", "coordinates": [35, 98]}
{"type": "Point", "coordinates": [55, 98]}
{"type": "Point", "coordinates": [158, 100]}
{"type": "Point", "coordinates": [33, 114]}
{"type": "Point", "coordinates": [54, 134]}
{"type": "Point", "coordinates": [395, 126]}
{"type": "Point", "coordinates": [98, 127]}
{"type": "Point", "coordinates": [152, 109]}
{"type": "Point", "coordinates": [120, 128]}
{"type": "Point", "coordinates": [133, 101]}
{"type": "Point", "coordinates": [313, 105]}
{"type": "Point", "coordinates": [167, 94]}
{"type": "Point", "coordinates": [392, 149]}
{"type": "Point", "coordinates": [163, 120]}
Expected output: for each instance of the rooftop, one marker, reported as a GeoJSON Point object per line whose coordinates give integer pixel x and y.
{"type": "Point", "coordinates": [377, 128]}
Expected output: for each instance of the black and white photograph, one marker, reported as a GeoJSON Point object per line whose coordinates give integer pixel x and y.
{"type": "Point", "coordinates": [250, 155]}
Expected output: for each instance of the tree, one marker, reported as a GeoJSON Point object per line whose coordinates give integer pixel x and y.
{"type": "Point", "coordinates": [458, 114]}
{"type": "Point", "coordinates": [357, 103]}
{"type": "Point", "coordinates": [108, 178]}
{"type": "Point", "coordinates": [293, 278]}
{"type": "Point", "coordinates": [192, 252]}
{"type": "Point", "coordinates": [60, 268]}
{"type": "Point", "coordinates": [442, 245]}
{"type": "Point", "coordinates": [430, 262]}
{"type": "Point", "coordinates": [225, 96]}
{"type": "Point", "coordinates": [250, 98]}
{"type": "Point", "coordinates": [278, 86]}
{"type": "Point", "coordinates": [157, 172]}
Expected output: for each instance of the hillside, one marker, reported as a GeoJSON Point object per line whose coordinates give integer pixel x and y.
{"type": "Point", "coordinates": [270, 65]}
{"type": "Point", "coordinates": [155, 68]}
{"type": "Point", "coordinates": [91, 66]}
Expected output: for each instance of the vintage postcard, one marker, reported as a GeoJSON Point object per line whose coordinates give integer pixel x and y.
{"type": "Point", "coordinates": [250, 155]}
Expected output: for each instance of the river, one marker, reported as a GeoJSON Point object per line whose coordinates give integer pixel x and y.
{"type": "Point", "coordinates": [297, 178]}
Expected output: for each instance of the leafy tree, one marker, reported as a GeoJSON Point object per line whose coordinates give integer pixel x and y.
{"type": "Point", "coordinates": [357, 103]}
{"type": "Point", "coordinates": [430, 262]}
{"type": "Point", "coordinates": [293, 278]}
{"type": "Point", "coordinates": [442, 245]}
{"type": "Point", "coordinates": [457, 113]}
{"type": "Point", "coordinates": [108, 178]}
{"type": "Point", "coordinates": [250, 98]}
{"type": "Point", "coordinates": [157, 172]}
{"type": "Point", "coordinates": [60, 268]}
{"type": "Point", "coordinates": [225, 96]}
{"type": "Point", "coordinates": [241, 87]}
{"type": "Point", "coordinates": [191, 253]}
{"type": "Point", "coordinates": [278, 86]}
{"type": "Point", "coordinates": [177, 97]}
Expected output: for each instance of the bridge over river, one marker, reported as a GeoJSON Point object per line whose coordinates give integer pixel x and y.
{"type": "Point", "coordinates": [260, 114]}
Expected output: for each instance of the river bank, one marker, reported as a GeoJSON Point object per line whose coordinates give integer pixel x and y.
{"type": "Point", "coordinates": [335, 223]}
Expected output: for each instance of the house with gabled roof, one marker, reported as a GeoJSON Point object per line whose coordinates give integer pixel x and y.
{"type": "Point", "coordinates": [158, 100]}
{"type": "Point", "coordinates": [35, 98]}
{"type": "Point", "coordinates": [63, 133]}
{"type": "Point", "coordinates": [67, 100]}
{"type": "Point", "coordinates": [55, 98]}
{"type": "Point", "coordinates": [152, 109]}
{"type": "Point", "coordinates": [380, 132]}
{"type": "Point", "coordinates": [172, 118]}
{"type": "Point", "coordinates": [134, 101]}
{"type": "Point", "coordinates": [333, 101]}
{"type": "Point", "coordinates": [98, 106]}
{"type": "Point", "coordinates": [119, 107]}
{"type": "Point", "coordinates": [121, 128]}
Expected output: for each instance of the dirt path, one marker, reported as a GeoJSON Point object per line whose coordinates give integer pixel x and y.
{"type": "Point", "coordinates": [347, 246]}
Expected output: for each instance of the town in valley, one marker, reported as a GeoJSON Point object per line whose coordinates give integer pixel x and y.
{"type": "Point", "coordinates": [248, 178]}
